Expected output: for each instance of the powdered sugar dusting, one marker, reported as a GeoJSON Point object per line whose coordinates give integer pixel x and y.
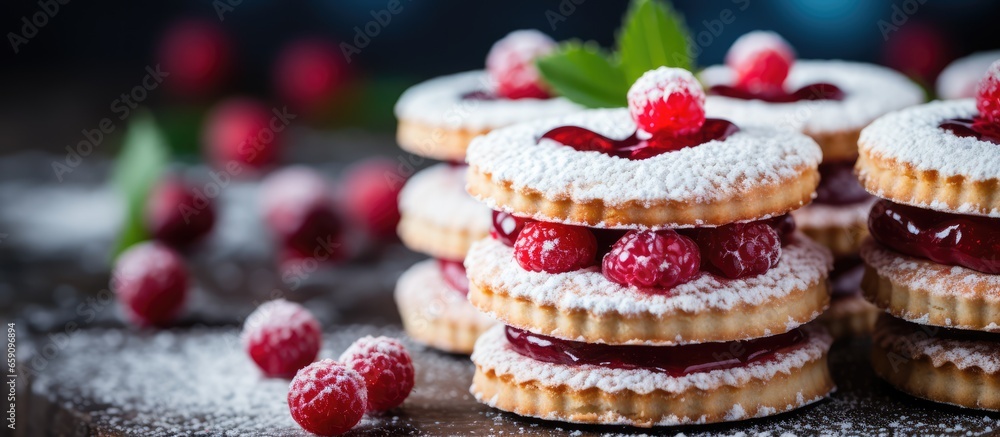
{"type": "Point", "coordinates": [819, 216]}
{"type": "Point", "coordinates": [494, 352]}
{"type": "Point", "coordinates": [279, 316]}
{"type": "Point", "coordinates": [756, 156]}
{"type": "Point", "coordinates": [938, 279]}
{"type": "Point", "coordinates": [913, 137]}
{"type": "Point", "coordinates": [959, 79]}
{"type": "Point", "coordinates": [439, 102]}
{"type": "Point", "coordinates": [490, 263]}
{"type": "Point", "coordinates": [916, 342]}
{"type": "Point", "coordinates": [870, 91]}
{"type": "Point", "coordinates": [657, 85]}
{"type": "Point", "coordinates": [437, 195]}
{"type": "Point", "coordinates": [422, 289]}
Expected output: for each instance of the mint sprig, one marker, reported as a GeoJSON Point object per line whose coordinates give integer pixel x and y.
{"type": "Point", "coordinates": [143, 158]}
{"type": "Point", "coordinates": [652, 35]}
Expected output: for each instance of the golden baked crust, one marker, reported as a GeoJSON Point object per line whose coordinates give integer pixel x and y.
{"type": "Point", "coordinates": [435, 315]}
{"type": "Point", "coordinates": [902, 183]}
{"type": "Point", "coordinates": [849, 316]}
{"type": "Point", "coordinates": [551, 397]}
{"type": "Point", "coordinates": [841, 240]}
{"type": "Point", "coordinates": [837, 146]}
{"type": "Point", "coordinates": [915, 289]}
{"type": "Point", "coordinates": [970, 387]}
{"type": "Point", "coordinates": [429, 238]}
{"type": "Point", "coordinates": [435, 142]}
{"type": "Point", "coordinates": [757, 202]}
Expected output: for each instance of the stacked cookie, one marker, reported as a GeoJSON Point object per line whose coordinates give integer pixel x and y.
{"type": "Point", "coordinates": [437, 119]}
{"type": "Point", "coordinates": [830, 101]}
{"type": "Point", "coordinates": [643, 265]}
{"type": "Point", "coordinates": [932, 263]}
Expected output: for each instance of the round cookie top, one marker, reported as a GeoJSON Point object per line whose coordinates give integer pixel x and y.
{"type": "Point", "coordinates": [958, 80]}
{"type": "Point", "coordinates": [754, 173]}
{"type": "Point", "coordinates": [869, 92]}
{"type": "Point", "coordinates": [465, 101]}
{"type": "Point", "coordinates": [437, 195]}
{"type": "Point", "coordinates": [949, 173]}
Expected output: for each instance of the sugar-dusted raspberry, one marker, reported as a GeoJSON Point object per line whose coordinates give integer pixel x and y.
{"type": "Point", "coordinates": [453, 273]}
{"type": "Point", "coordinates": [281, 337]}
{"type": "Point", "coordinates": [298, 207]}
{"type": "Point", "coordinates": [740, 250]}
{"type": "Point", "coordinates": [371, 196]}
{"type": "Point", "coordinates": [761, 61]}
{"type": "Point", "coordinates": [242, 136]}
{"type": "Point", "coordinates": [151, 283]}
{"type": "Point", "coordinates": [386, 367]}
{"type": "Point", "coordinates": [506, 227]}
{"type": "Point", "coordinates": [511, 64]}
{"type": "Point", "coordinates": [647, 259]}
{"type": "Point", "coordinates": [327, 398]}
{"type": "Point", "coordinates": [554, 248]}
{"type": "Point", "coordinates": [177, 214]}
{"type": "Point", "coordinates": [988, 94]}
{"type": "Point", "coordinates": [667, 100]}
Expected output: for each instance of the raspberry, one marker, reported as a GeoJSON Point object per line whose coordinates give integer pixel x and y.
{"type": "Point", "coordinates": [151, 282]}
{"type": "Point", "coordinates": [281, 337]}
{"type": "Point", "coordinates": [241, 132]}
{"type": "Point", "coordinates": [176, 214]}
{"type": "Point", "coordinates": [988, 94]}
{"type": "Point", "coordinates": [308, 73]}
{"type": "Point", "coordinates": [511, 64]}
{"type": "Point", "coordinates": [327, 398]}
{"type": "Point", "coordinates": [740, 250]}
{"type": "Point", "coordinates": [784, 225]}
{"type": "Point", "coordinates": [647, 259]}
{"type": "Point", "coordinates": [761, 61]}
{"type": "Point", "coordinates": [298, 207]}
{"type": "Point", "coordinates": [667, 100]}
{"type": "Point", "coordinates": [197, 55]}
{"type": "Point", "coordinates": [372, 196]}
{"type": "Point", "coordinates": [454, 275]}
{"type": "Point", "coordinates": [506, 227]}
{"type": "Point", "coordinates": [554, 248]}
{"type": "Point", "coordinates": [386, 367]}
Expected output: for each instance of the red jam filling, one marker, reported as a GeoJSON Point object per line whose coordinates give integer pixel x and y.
{"type": "Point", "coordinates": [952, 239]}
{"type": "Point", "coordinates": [479, 95]}
{"type": "Point", "coordinates": [838, 185]}
{"type": "Point", "coordinates": [845, 279]}
{"type": "Point", "coordinates": [453, 273]}
{"type": "Point", "coordinates": [816, 91]}
{"type": "Point", "coordinates": [976, 127]}
{"type": "Point", "coordinates": [633, 147]}
{"type": "Point", "coordinates": [672, 360]}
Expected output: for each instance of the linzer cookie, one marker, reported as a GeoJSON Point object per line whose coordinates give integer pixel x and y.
{"type": "Point", "coordinates": [645, 267]}
{"type": "Point", "coordinates": [439, 117]}
{"type": "Point", "coordinates": [437, 216]}
{"type": "Point", "coordinates": [959, 79]}
{"type": "Point", "coordinates": [933, 256]}
{"type": "Point", "coordinates": [831, 101]}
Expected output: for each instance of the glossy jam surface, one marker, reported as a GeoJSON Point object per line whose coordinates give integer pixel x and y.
{"type": "Point", "coordinates": [672, 360]}
{"type": "Point", "coordinates": [453, 273]}
{"type": "Point", "coordinates": [845, 279]}
{"type": "Point", "coordinates": [816, 91]}
{"type": "Point", "coordinates": [977, 127]}
{"type": "Point", "coordinates": [633, 147]}
{"type": "Point", "coordinates": [838, 185]}
{"type": "Point", "coordinates": [953, 239]}
{"type": "Point", "coordinates": [479, 95]}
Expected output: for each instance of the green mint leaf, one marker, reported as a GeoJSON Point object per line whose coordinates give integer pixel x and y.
{"type": "Point", "coordinates": [653, 35]}
{"type": "Point", "coordinates": [584, 74]}
{"type": "Point", "coordinates": [143, 158]}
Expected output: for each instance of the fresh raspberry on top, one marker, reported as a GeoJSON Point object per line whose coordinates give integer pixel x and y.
{"type": "Point", "coordinates": [511, 64]}
{"type": "Point", "coordinates": [151, 283]}
{"type": "Point", "coordinates": [507, 227]}
{"type": "Point", "coordinates": [178, 215]}
{"type": "Point", "coordinates": [281, 337]}
{"type": "Point", "coordinates": [648, 259]}
{"type": "Point", "coordinates": [740, 250]}
{"type": "Point", "coordinates": [386, 367]}
{"type": "Point", "coordinates": [327, 398]}
{"type": "Point", "coordinates": [761, 61]}
{"type": "Point", "coordinates": [554, 247]}
{"type": "Point", "coordinates": [988, 94]}
{"type": "Point", "coordinates": [667, 100]}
